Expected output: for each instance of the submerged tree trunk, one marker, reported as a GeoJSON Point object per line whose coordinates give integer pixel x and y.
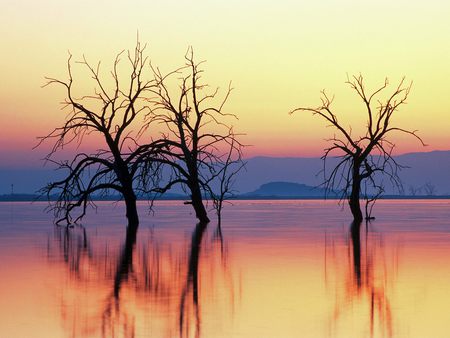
{"type": "Point", "coordinates": [353, 200]}
{"type": "Point", "coordinates": [131, 209]}
{"type": "Point", "coordinates": [197, 203]}
{"type": "Point", "coordinates": [126, 181]}
{"type": "Point", "coordinates": [355, 206]}
{"type": "Point", "coordinates": [196, 194]}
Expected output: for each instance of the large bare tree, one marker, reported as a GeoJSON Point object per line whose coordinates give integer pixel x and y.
{"type": "Point", "coordinates": [363, 160]}
{"type": "Point", "coordinates": [201, 146]}
{"type": "Point", "coordinates": [114, 113]}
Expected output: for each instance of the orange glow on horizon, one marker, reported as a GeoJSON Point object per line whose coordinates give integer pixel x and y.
{"type": "Point", "coordinates": [275, 53]}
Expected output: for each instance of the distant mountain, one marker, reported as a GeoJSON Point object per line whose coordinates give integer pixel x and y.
{"type": "Point", "coordinates": [429, 170]}
{"type": "Point", "coordinates": [422, 170]}
{"type": "Point", "coordinates": [285, 189]}
{"type": "Point", "coordinates": [261, 170]}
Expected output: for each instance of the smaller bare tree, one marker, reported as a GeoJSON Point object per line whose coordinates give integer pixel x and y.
{"type": "Point", "coordinates": [362, 158]}
{"type": "Point", "coordinates": [372, 193]}
{"type": "Point", "coordinates": [414, 191]}
{"type": "Point", "coordinates": [430, 189]}
{"type": "Point", "coordinates": [226, 174]}
{"type": "Point", "coordinates": [196, 136]}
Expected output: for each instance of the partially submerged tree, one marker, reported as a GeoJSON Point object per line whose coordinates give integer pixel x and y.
{"type": "Point", "coordinates": [362, 159]}
{"type": "Point", "coordinates": [112, 114]}
{"type": "Point", "coordinates": [371, 197]}
{"type": "Point", "coordinates": [200, 145]}
{"type": "Point", "coordinates": [228, 169]}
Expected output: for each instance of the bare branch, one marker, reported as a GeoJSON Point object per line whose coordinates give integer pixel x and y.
{"type": "Point", "coordinates": [368, 157]}
{"type": "Point", "coordinates": [120, 165]}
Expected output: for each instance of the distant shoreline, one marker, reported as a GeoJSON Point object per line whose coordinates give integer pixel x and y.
{"type": "Point", "coordinates": [36, 198]}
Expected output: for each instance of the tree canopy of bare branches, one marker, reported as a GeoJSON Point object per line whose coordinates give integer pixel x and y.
{"type": "Point", "coordinates": [202, 150]}
{"type": "Point", "coordinates": [361, 158]}
{"type": "Point", "coordinates": [194, 141]}
{"type": "Point", "coordinates": [111, 112]}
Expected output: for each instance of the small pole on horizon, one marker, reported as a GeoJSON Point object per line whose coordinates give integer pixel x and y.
{"type": "Point", "coordinates": [12, 189]}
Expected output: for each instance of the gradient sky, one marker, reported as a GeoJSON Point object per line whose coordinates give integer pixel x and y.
{"type": "Point", "coordinates": [279, 55]}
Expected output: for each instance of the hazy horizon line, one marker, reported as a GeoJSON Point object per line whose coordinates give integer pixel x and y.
{"type": "Point", "coordinates": [30, 166]}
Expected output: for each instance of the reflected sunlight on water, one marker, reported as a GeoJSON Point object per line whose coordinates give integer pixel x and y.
{"type": "Point", "coordinates": [274, 269]}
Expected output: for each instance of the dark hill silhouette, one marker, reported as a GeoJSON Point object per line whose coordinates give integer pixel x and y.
{"type": "Point", "coordinates": [286, 189]}
{"type": "Point", "coordinates": [430, 167]}
{"type": "Point", "coordinates": [422, 168]}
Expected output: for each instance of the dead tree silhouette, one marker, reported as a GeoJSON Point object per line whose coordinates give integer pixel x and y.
{"type": "Point", "coordinates": [201, 145]}
{"type": "Point", "coordinates": [226, 176]}
{"type": "Point", "coordinates": [113, 114]}
{"type": "Point", "coordinates": [361, 158]}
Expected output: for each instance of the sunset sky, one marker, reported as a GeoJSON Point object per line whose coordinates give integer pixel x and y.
{"type": "Point", "coordinates": [278, 55]}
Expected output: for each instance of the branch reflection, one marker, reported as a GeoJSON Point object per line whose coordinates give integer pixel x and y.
{"type": "Point", "coordinates": [153, 286]}
{"type": "Point", "coordinates": [363, 286]}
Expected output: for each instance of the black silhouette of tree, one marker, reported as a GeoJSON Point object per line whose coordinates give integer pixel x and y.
{"type": "Point", "coordinates": [361, 160]}
{"type": "Point", "coordinates": [229, 168]}
{"type": "Point", "coordinates": [112, 111]}
{"type": "Point", "coordinates": [371, 198]}
{"type": "Point", "coordinates": [200, 146]}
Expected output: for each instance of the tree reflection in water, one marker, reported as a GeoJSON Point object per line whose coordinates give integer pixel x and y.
{"type": "Point", "coordinates": [151, 286]}
{"type": "Point", "coordinates": [363, 285]}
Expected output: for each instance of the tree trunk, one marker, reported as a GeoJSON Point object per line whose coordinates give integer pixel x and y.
{"type": "Point", "coordinates": [355, 193]}
{"type": "Point", "coordinates": [126, 180]}
{"type": "Point", "coordinates": [197, 203]}
{"type": "Point", "coordinates": [131, 209]}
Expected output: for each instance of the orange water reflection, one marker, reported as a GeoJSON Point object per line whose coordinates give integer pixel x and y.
{"type": "Point", "coordinates": [275, 269]}
{"type": "Point", "coordinates": [363, 281]}
{"type": "Point", "coordinates": [144, 287]}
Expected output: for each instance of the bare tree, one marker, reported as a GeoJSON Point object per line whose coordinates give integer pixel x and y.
{"type": "Point", "coordinates": [371, 198]}
{"type": "Point", "coordinates": [196, 134]}
{"type": "Point", "coordinates": [361, 158]}
{"type": "Point", "coordinates": [429, 188]}
{"type": "Point", "coordinates": [228, 169]}
{"type": "Point", "coordinates": [113, 114]}
{"type": "Point", "coordinates": [414, 191]}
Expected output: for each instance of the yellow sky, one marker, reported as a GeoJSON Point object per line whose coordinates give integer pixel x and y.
{"type": "Point", "coordinates": [279, 55]}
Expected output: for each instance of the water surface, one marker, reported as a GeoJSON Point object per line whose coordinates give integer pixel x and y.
{"type": "Point", "coordinates": [273, 269]}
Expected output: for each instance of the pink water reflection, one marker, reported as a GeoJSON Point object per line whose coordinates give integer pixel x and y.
{"type": "Point", "coordinates": [274, 269]}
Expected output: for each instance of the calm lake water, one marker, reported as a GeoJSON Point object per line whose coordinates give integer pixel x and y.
{"type": "Point", "coordinates": [274, 269]}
